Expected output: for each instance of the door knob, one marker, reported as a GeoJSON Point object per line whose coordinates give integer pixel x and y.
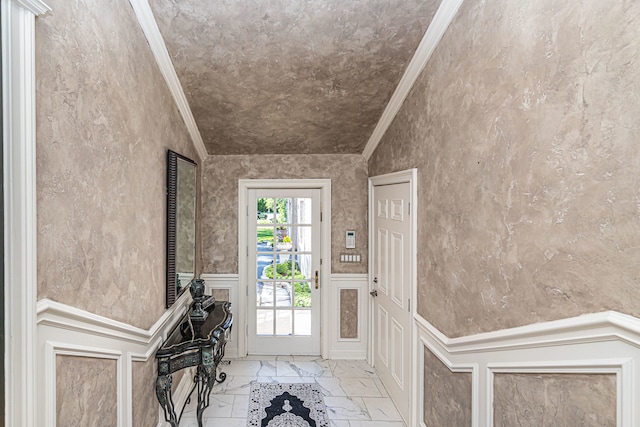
{"type": "Point", "coordinates": [374, 293]}
{"type": "Point", "coordinates": [317, 279]}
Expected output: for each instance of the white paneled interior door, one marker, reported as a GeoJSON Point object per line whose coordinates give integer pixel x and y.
{"type": "Point", "coordinates": [392, 291]}
{"type": "Point", "coordinates": [284, 269]}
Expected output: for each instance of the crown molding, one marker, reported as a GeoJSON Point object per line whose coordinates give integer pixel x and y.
{"type": "Point", "coordinates": [441, 20]}
{"type": "Point", "coordinates": [159, 49]}
{"type": "Point", "coordinates": [36, 7]}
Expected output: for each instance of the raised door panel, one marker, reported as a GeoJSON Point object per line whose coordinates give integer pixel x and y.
{"type": "Point", "coordinates": [396, 277]}
{"type": "Point", "coordinates": [383, 260]}
{"type": "Point", "coordinates": [383, 335]}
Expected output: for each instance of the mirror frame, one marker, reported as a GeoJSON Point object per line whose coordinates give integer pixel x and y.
{"type": "Point", "coordinates": [172, 193]}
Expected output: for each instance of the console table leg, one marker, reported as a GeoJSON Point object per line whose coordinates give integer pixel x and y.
{"type": "Point", "coordinates": [163, 392]}
{"type": "Point", "coordinates": [205, 379]}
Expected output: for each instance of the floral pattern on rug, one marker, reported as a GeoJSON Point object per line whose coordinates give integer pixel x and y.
{"type": "Point", "coordinates": [286, 405]}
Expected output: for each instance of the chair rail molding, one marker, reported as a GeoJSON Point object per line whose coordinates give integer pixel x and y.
{"type": "Point", "coordinates": [69, 331]}
{"type": "Point", "coordinates": [19, 178]}
{"type": "Point", "coordinates": [600, 343]}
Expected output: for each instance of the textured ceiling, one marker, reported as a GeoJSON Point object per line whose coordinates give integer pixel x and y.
{"type": "Point", "coordinates": [290, 76]}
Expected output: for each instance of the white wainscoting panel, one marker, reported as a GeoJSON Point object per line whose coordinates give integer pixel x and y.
{"type": "Point", "coordinates": [229, 282]}
{"type": "Point", "coordinates": [349, 348]}
{"type": "Point", "coordinates": [355, 348]}
{"type": "Point", "coordinates": [601, 343]}
{"type": "Point", "coordinates": [66, 330]}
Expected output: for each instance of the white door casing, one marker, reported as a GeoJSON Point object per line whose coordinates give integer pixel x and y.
{"type": "Point", "coordinates": [392, 267]}
{"type": "Point", "coordinates": [245, 269]}
{"type": "Point", "coordinates": [20, 225]}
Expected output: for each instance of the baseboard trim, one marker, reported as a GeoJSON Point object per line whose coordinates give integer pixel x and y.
{"type": "Point", "coordinates": [348, 354]}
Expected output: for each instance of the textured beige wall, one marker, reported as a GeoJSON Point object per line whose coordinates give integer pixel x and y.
{"type": "Point", "coordinates": [348, 174]}
{"type": "Point", "coordinates": [348, 313]}
{"type": "Point", "coordinates": [86, 394]}
{"type": "Point", "coordinates": [105, 119]}
{"type": "Point", "coordinates": [145, 407]}
{"type": "Point", "coordinates": [524, 128]}
{"type": "Point", "coordinates": [220, 294]}
{"type": "Point", "coordinates": [554, 400]}
{"type": "Point", "coordinates": [447, 395]}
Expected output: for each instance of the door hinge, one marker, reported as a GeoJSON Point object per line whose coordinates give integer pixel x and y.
{"type": "Point", "coordinates": [247, 211]}
{"type": "Point", "coordinates": [409, 305]}
{"type": "Point", "coordinates": [409, 208]}
{"type": "Point", "coordinates": [246, 289]}
{"type": "Point", "coordinates": [247, 250]}
{"type": "Point", "coordinates": [320, 216]}
{"type": "Point", "coordinates": [320, 261]}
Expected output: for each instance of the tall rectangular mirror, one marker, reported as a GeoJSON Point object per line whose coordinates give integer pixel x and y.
{"type": "Point", "coordinates": [181, 224]}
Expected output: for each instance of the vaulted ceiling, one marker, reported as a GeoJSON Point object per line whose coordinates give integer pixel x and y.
{"type": "Point", "coordinates": [290, 76]}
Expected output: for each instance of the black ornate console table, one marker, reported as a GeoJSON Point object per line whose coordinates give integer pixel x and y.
{"type": "Point", "coordinates": [197, 340]}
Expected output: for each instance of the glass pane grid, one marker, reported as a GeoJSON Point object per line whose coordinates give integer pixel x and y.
{"type": "Point", "coordinates": [265, 324]}
{"type": "Point", "coordinates": [288, 322]}
{"type": "Point", "coordinates": [284, 266]}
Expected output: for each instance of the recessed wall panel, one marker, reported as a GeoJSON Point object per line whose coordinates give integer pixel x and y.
{"type": "Point", "coordinates": [548, 400]}
{"type": "Point", "coordinates": [221, 294]}
{"type": "Point", "coordinates": [145, 407]}
{"type": "Point", "coordinates": [86, 391]}
{"type": "Point", "coordinates": [348, 313]}
{"type": "Point", "coordinates": [447, 395]}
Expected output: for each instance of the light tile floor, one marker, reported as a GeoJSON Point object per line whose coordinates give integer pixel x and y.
{"type": "Point", "coordinates": [352, 391]}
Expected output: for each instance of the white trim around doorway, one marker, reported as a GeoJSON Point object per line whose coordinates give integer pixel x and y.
{"type": "Point", "coordinates": [19, 180]}
{"type": "Point", "coordinates": [244, 185]}
{"type": "Point", "coordinates": [410, 176]}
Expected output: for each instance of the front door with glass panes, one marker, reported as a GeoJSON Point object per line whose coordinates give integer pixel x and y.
{"type": "Point", "coordinates": [284, 263]}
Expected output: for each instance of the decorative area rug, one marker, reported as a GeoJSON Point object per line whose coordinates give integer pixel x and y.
{"type": "Point", "coordinates": [290, 405]}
